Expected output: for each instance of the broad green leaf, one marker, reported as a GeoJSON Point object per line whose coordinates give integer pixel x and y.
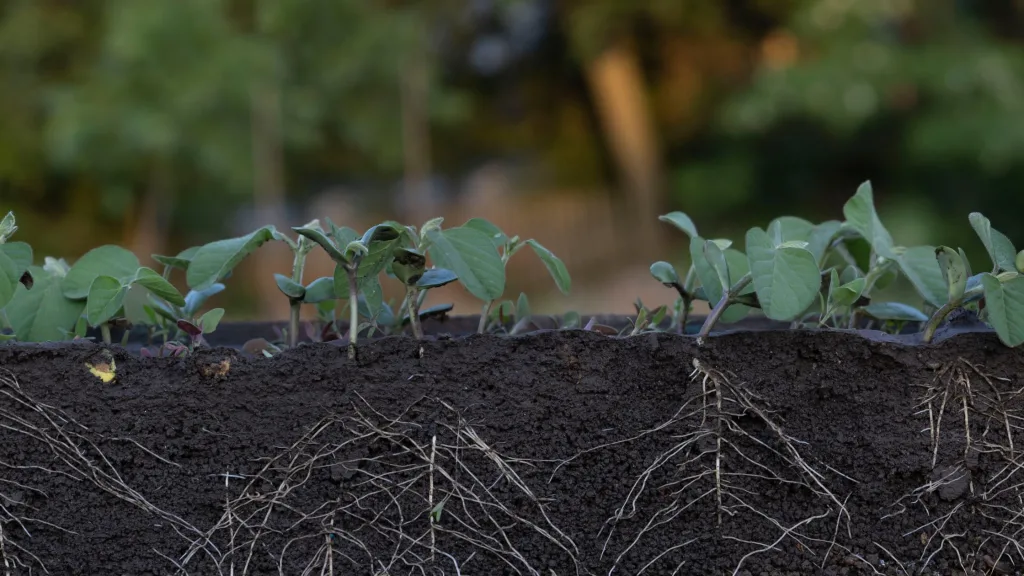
{"type": "Point", "coordinates": [109, 260]}
{"type": "Point", "coordinates": [342, 289]}
{"type": "Point", "coordinates": [893, 311]}
{"type": "Point", "coordinates": [789, 228]}
{"type": "Point", "coordinates": [471, 255]}
{"type": "Point", "coordinates": [408, 265]}
{"type": "Point", "coordinates": [319, 290]}
{"type": "Point", "coordinates": [681, 221]}
{"type": "Point", "coordinates": [786, 278]}
{"type": "Point", "coordinates": [716, 257]}
{"type": "Point", "coordinates": [820, 239]}
{"type": "Point", "coordinates": [330, 246]}
{"type": "Point", "coordinates": [43, 313]}
{"type": "Point", "coordinates": [711, 285]}
{"type": "Point", "coordinates": [195, 299]}
{"type": "Point", "coordinates": [158, 285]}
{"type": "Point", "coordinates": [665, 273]}
{"type": "Point", "coordinates": [919, 265]}
{"type": "Point", "coordinates": [967, 263]}
{"type": "Point", "coordinates": [954, 272]}
{"type": "Point", "coordinates": [1004, 302]}
{"type": "Point", "coordinates": [209, 321]}
{"type": "Point", "coordinates": [847, 294]}
{"type": "Point", "coordinates": [289, 287]}
{"type": "Point", "coordinates": [1000, 249]}
{"type": "Point", "coordinates": [435, 278]}
{"type": "Point", "coordinates": [343, 235]}
{"type": "Point", "coordinates": [106, 296]}
{"type": "Point", "coordinates": [372, 295]}
{"type": "Point", "coordinates": [213, 261]}
{"type": "Point", "coordinates": [554, 265]}
{"type": "Point", "coordinates": [849, 274]}
{"type": "Point", "coordinates": [522, 307]}
{"type": "Point", "coordinates": [180, 261]}
{"type": "Point", "coordinates": [8, 278]}
{"type": "Point", "coordinates": [861, 216]}
{"type": "Point", "coordinates": [498, 238]}
{"type": "Point", "coordinates": [7, 227]}
{"type": "Point", "coordinates": [20, 253]}
{"type": "Point", "coordinates": [380, 241]}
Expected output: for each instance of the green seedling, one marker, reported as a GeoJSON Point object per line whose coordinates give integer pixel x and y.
{"type": "Point", "coordinates": [292, 287]}
{"type": "Point", "coordinates": [646, 319]}
{"type": "Point", "coordinates": [478, 252]}
{"type": "Point", "coordinates": [410, 267]}
{"type": "Point", "coordinates": [357, 261]}
{"type": "Point", "coordinates": [196, 329]}
{"type": "Point", "coordinates": [15, 262]}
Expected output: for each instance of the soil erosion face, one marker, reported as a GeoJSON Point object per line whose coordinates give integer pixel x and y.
{"type": "Point", "coordinates": [564, 453]}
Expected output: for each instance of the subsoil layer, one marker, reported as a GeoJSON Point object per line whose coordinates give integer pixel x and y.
{"type": "Point", "coordinates": [555, 453]}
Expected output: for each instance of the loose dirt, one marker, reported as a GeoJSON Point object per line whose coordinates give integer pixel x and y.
{"type": "Point", "coordinates": [554, 453]}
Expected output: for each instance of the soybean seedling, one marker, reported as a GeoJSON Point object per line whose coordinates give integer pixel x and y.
{"type": "Point", "coordinates": [478, 251]}
{"type": "Point", "coordinates": [356, 261]}
{"type": "Point", "coordinates": [1003, 286]}
{"type": "Point", "coordinates": [409, 265]}
{"type": "Point", "coordinates": [291, 286]}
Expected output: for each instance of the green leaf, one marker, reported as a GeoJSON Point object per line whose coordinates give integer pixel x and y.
{"type": "Point", "coordinates": [789, 228]}
{"type": "Point", "coordinates": [954, 272]}
{"type": "Point", "coordinates": [847, 294]}
{"type": "Point", "coordinates": [786, 278]}
{"type": "Point", "coordinates": [7, 227]}
{"type": "Point", "coordinates": [665, 273]}
{"type": "Point", "coordinates": [522, 307]}
{"type": "Point", "coordinates": [289, 287]}
{"type": "Point", "coordinates": [435, 278]}
{"type": "Point", "coordinates": [861, 216]}
{"type": "Point", "coordinates": [330, 246]}
{"type": "Point", "coordinates": [208, 322]}
{"type": "Point", "coordinates": [893, 311]}
{"type": "Point", "coordinates": [213, 261]}
{"type": "Point", "coordinates": [342, 235]}
{"type": "Point", "coordinates": [106, 296]}
{"type": "Point", "coordinates": [408, 265]}
{"type": "Point", "coordinates": [9, 278]}
{"type": "Point", "coordinates": [820, 239]}
{"type": "Point", "coordinates": [43, 313]}
{"type": "Point", "coordinates": [471, 255]}
{"type": "Point", "coordinates": [1000, 249]}
{"type": "Point", "coordinates": [919, 265]}
{"type": "Point", "coordinates": [711, 285]}
{"type": "Point", "coordinates": [319, 290]}
{"type": "Point", "coordinates": [498, 238]}
{"type": "Point", "coordinates": [554, 265]}
{"type": "Point", "coordinates": [195, 299]}
{"type": "Point", "coordinates": [1004, 302]}
{"type": "Point", "coordinates": [681, 221]}
{"type": "Point", "coordinates": [967, 263]}
{"type": "Point", "coordinates": [158, 285]}
{"type": "Point", "coordinates": [372, 295]}
{"type": "Point", "coordinates": [181, 261]}
{"type": "Point", "coordinates": [716, 258]}
{"type": "Point", "coordinates": [380, 241]}
{"type": "Point", "coordinates": [109, 260]}
{"type": "Point", "coordinates": [20, 253]}
{"type": "Point", "coordinates": [1019, 262]}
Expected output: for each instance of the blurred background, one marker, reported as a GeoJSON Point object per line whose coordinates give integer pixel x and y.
{"type": "Point", "coordinates": [162, 124]}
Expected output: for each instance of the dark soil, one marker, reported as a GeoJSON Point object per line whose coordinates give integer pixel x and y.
{"type": "Point", "coordinates": [554, 453]}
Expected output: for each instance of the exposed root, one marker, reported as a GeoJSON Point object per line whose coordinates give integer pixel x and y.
{"type": "Point", "coordinates": [713, 450]}
{"type": "Point", "coordinates": [411, 492]}
{"type": "Point", "coordinates": [986, 425]}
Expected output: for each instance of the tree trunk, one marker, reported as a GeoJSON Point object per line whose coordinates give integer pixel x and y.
{"type": "Point", "coordinates": [415, 203]}
{"type": "Point", "coordinates": [269, 194]}
{"type": "Point", "coordinates": [617, 85]}
{"type": "Point", "coordinates": [147, 230]}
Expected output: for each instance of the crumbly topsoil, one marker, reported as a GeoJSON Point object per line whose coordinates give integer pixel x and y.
{"type": "Point", "coordinates": [555, 453]}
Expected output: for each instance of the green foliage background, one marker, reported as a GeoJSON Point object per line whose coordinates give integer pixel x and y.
{"type": "Point", "coordinates": [926, 99]}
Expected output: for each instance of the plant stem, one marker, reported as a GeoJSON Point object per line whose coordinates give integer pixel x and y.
{"type": "Point", "coordinates": [933, 323]}
{"type": "Point", "coordinates": [719, 309]}
{"type": "Point", "coordinates": [298, 264]}
{"type": "Point", "coordinates": [105, 332]}
{"type": "Point", "coordinates": [413, 307]}
{"type": "Point", "coordinates": [483, 318]}
{"type": "Point", "coordinates": [353, 309]}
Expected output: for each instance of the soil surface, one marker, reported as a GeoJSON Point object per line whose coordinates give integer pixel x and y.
{"type": "Point", "coordinates": [554, 453]}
